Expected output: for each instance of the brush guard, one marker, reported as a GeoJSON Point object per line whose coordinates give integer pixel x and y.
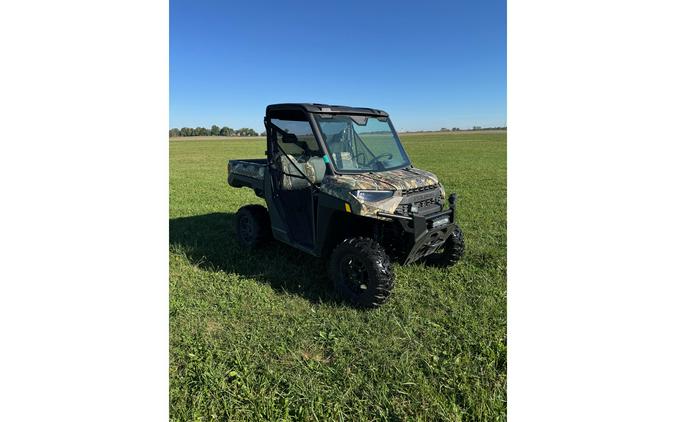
{"type": "Point", "coordinates": [429, 232]}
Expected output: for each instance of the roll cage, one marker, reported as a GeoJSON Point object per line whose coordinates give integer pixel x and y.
{"type": "Point", "coordinates": [307, 112]}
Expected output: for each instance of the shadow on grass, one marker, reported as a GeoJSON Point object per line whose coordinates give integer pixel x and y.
{"type": "Point", "coordinates": [208, 241]}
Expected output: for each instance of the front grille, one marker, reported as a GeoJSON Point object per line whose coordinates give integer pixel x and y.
{"type": "Point", "coordinates": [412, 191]}
{"type": "Point", "coordinates": [426, 203]}
{"type": "Point", "coordinates": [422, 204]}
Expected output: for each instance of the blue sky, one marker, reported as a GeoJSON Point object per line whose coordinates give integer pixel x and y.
{"type": "Point", "coordinates": [430, 64]}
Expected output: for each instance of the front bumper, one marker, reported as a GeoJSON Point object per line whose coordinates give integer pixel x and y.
{"type": "Point", "coordinates": [428, 231]}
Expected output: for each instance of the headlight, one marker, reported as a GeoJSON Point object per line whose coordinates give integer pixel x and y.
{"type": "Point", "coordinates": [372, 195]}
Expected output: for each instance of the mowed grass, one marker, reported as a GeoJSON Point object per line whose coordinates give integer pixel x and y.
{"type": "Point", "coordinates": [261, 336]}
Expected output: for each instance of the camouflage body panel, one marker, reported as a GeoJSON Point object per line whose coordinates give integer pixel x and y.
{"type": "Point", "coordinates": [405, 179]}
{"type": "Point", "coordinates": [399, 181]}
{"type": "Point", "coordinates": [247, 168]}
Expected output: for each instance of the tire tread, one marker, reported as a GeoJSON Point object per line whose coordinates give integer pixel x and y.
{"type": "Point", "coordinates": [379, 263]}
{"type": "Point", "coordinates": [261, 219]}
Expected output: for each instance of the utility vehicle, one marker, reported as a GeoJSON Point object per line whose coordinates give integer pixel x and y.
{"type": "Point", "coordinates": [338, 184]}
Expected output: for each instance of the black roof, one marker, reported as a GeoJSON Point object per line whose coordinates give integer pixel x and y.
{"type": "Point", "coordinates": [325, 109]}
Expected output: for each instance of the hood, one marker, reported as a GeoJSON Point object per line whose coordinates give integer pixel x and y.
{"type": "Point", "coordinates": [402, 179]}
{"type": "Point", "coordinates": [398, 180]}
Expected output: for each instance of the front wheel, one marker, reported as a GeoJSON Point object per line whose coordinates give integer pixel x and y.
{"type": "Point", "coordinates": [452, 252]}
{"type": "Point", "coordinates": [361, 272]}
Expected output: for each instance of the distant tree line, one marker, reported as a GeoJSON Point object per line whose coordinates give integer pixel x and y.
{"type": "Point", "coordinates": [489, 128]}
{"type": "Point", "coordinates": [227, 131]}
{"type": "Point", "coordinates": [456, 129]}
{"type": "Point", "coordinates": [214, 131]}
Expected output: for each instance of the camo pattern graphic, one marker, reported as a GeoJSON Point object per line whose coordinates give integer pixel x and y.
{"type": "Point", "coordinates": [405, 179]}
{"type": "Point", "coordinates": [254, 170]}
{"type": "Point", "coordinates": [340, 187]}
{"type": "Point", "coordinates": [314, 169]}
{"type": "Point", "coordinates": [310, 172]}
{"type": "Point", "coordinates": [296, 181]}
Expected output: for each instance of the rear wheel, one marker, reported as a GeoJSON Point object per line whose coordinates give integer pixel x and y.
{"type": "Point", "coordinates": [452, 252]}
{"type": "Point", "coordinates": [252, 226]}
{"type": "Point", "coordinates": [361, 272]}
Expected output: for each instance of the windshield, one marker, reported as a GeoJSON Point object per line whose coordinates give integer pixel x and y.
{"type": "Point", "coordinates": [362, 143]}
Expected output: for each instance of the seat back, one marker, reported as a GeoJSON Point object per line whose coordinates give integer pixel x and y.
{"type": "Point", "coordinates": [292, 179]}
{"type": "Point", "coordinates": [344, 160]}
{"type": "Point", "coordinates": [315, 169]}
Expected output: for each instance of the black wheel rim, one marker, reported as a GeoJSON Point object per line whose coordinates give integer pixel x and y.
{"type": "Point", "coordinates": [354, 273]}
{"type": "Point", "coordinates": [246, 229]}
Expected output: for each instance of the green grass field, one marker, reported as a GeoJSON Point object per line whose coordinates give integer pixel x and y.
{"type": "Point", "coordinates": [262, 337]}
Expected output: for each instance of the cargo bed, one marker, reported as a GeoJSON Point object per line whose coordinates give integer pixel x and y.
{"type": "Point", "coordinates": [248, 173]}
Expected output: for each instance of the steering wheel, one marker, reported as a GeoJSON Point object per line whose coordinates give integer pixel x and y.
{"type": "Point", "coordinates": [377, 158]}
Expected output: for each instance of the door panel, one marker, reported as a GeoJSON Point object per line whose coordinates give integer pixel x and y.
{"type": "Point", "coordinates": [292, 144]}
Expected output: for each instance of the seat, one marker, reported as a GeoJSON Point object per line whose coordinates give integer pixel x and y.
{"type": "Point", "coordinates": [314, 169]}
{"type": "Point", "coordinates": [292, 178]}
{"type": "Point", "coordinates": [341, 152]}
{"type": "Point", "coordinates": [344, 160]}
